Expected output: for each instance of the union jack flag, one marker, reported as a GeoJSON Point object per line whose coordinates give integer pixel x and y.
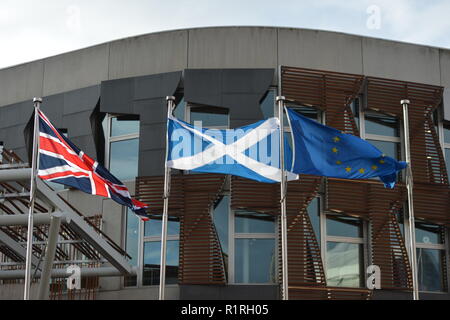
{"type": "Point", "coordinates": [62, 162]}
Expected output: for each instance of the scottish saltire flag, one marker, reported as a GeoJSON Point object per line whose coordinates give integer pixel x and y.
{"type": "Point", "coordinates": [251, 151]}
{"type": "Point", "coordinates": [324, 151]}
{"type": "Point", "coordinates": [62, 162]}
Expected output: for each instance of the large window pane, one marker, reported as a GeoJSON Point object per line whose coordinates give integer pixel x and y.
{"type": "Point", "coordinates": [123, 161]}
{"type": "Point", "coordinates": [447, 160]}
{"type": "Point", "coordinates": [121, 126]}
{"type": "Point", "coordinates": [152, 260]}
{"type": "Point", "coordinates": [391, 149]}
{"type": "Point", "coordinates": [210, 116]}
{"type": "Point", "coordinates": [132, 244]}
{"type": "Point", "coordinates": [355, 110]}
{"type": "Point", "coordinates": [254, 261]}
{"type": "Point", "coordinates": [253, 222]}
{"type": "Point", "coordinates": [342, 226]}
{"type": "Point", "coordinates": [314, 216]}
{"type": "Point", "coordinates": [344, 264]}
{"type": "Point", "coordinates": [267, 104]}
{"type": "Point", "coordinates": [180, 109]}
{"type": "Point", "coordinates": [447, 133]}
{"type": "Point", "coordinates": [382, 125]}
{"type": "Point", "coordinates": [429, 262]}
{"type": "Point", "coordinates": [220, 216]}
{"type": "Point", "coordinates": [428, 233]}
{"type": "Point", "coordinates": [152, 227]}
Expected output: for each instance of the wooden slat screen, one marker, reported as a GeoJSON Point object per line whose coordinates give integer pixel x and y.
{"type": "Point", "coordinates": [191, 199]}
{"type": "Point", "coordinates": [305, 265]}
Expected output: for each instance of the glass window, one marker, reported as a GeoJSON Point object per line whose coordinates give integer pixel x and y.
{"type": "Point", "coordinates": [430, 243]}
{"type": "Point", "coordinates": [220, 217]}
{"type": "Point", "coordinates": [210, 116]}
{"type": "Point", "coordinates": [314, 217]}
{"type": "Point", "coordinates": [355, 110]}
{"type": "Point", "coordinates": [447, 133]}
{"type": "Point", "coordinates": [429, 233]}
{"type": "Point", "coordinates": [255, 260]}
{"type": "Point", "coordinates": [342, 226]}
{"type": "Point", "coordinates": [124, 125]}
{"type": "Point", "coordinates": [152, 227]}
{"type": "Point", "coordinates": [308, 112]}
{"type": "Point", "coordinates": [180, 110]}
{"type": "Point", "coordinates": [253, 222]}
{"type": "Point", "coordinates": [152, 260]}
{"type": "Point", "coordinates": [267, 104]}
{"type": "Point", "coordinates": [132, 244]}
{"type": "Point", "coordinates": [447, 160]}
{"type": "Point", "coordinates": [344, 264]}
{"type": "Point", "coordinates": [380, 124]}
{"type": "Point", "coordinates": [391, 149]}
{"type": "Point", "coordinates": [123, 159]}
{"type": "Point", "coordinates": [132, 240]}
{"type": "Point", "coordinates": [430, 266]}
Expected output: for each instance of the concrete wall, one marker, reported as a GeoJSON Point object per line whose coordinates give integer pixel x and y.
{"type": "Point", "coordinates": [224, 47]}
{"type": "Point", "coordinates": [202, 48]}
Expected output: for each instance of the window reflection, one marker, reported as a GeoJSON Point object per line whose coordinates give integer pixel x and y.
{"type": "Point", "coordinates": [447, 133]}
{"type": "Point", "coordinates": [210, 116]}
{"type": "Point", "coordinates": [220, 216]}
{"type": "Point", "coordinates": [132, 244]}
{"type": "Point", "coordinates": [123, 125]}
{"type": "Point", "coordinates": [180, 110]}
{"type": "Point", "coordinates": [152, 227]}
{"type": "Point", "coordinates": [381, 124]}
{"type": "Point", "coordinates": [447, 160]}
{"type": "Point", "coordinates": [267, 104]}
{"type": "Point", "coordinates": [152, 260]}
{"type": "Point", "coordinates": [314, 217]}
{"type": "Point", "coordinates": [255, 261]}
{"type": "Point", "coordinates": [342, 226]}
{"type": "Point", "coordinates": [124, 158]}
{"type": "Point", "coordinates": [391, 149]}
{"type": "Point", "coordinates": [344, 264]}
{"type": "Point", "coordinates": [253, 222]}
{"type": "Point", "coordinates": [428, 233]}
{"type": "Point", "coordinates": [429, 263]}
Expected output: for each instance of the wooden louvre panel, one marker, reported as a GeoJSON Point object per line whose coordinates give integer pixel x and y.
{"type": "Point", "coordinates": [201, 258]}
{"type": "Point", "coordinates": [327, 91]}
{"type": "Point", "coordinates": [370, 201]}
{"type": "Point", "coordinates": [305, 267]}
{"type": "Point", "coordinates": [431, 185]}
{"type": "Point", "coordinates": [427, 159]}
{"type": "Point", "coordinates": [191, 199]}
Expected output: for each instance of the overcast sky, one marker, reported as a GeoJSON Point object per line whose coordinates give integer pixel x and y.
{"type": "Point", "coordinates": [32, 29]}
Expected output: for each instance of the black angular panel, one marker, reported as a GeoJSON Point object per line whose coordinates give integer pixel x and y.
{"type": "Point", "coordinates": [70, 110]}
{"type": "Point", "coordinates": [239, 90]}
{"type": "Point", "coordinates": [144, 96]}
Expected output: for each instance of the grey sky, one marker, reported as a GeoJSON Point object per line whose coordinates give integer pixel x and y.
{"type": "Point", "coordinates": [31, 29]}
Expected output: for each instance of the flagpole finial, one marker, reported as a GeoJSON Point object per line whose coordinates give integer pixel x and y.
{"type": "Point", "coordinates": [170, 98]}
{"type": "Point", "coordinates": [37, 101]}
{"type": "Point", "coordinates": [280, 98]}
{"type": "Point", "coordinates": [405, 101]}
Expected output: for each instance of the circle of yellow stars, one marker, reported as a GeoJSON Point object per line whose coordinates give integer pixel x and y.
{"type": "Point", "coordinates": [349, 169]}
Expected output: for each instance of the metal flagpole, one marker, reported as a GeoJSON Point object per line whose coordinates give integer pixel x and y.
{"type": "Point", "coordinates": [162, 276]}
{"type": "Point", "coordinates": [409, 187]}
{"type": "Point", "coordinates": [34, 165]}
{"type": "Point", "coordinates": [285, 292]}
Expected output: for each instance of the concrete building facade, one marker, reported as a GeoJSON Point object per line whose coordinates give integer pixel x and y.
{"type": "Point", "coordinates": [235, 72]}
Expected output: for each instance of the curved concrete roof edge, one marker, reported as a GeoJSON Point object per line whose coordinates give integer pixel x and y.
{"type": "Point", "coordinates": [225, 27]}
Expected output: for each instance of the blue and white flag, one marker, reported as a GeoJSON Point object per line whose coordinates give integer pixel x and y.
{"type": "Point", "coordinates": [324, 151]}
{"type": "Point", "coordinates": [251, 151]}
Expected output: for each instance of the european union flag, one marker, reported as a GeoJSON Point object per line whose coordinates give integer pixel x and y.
{"type": "Point", "coordinates": [324, 151]}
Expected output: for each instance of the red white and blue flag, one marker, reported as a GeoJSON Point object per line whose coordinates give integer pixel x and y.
{"type": "Point", "coordinates": [62, 162]}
